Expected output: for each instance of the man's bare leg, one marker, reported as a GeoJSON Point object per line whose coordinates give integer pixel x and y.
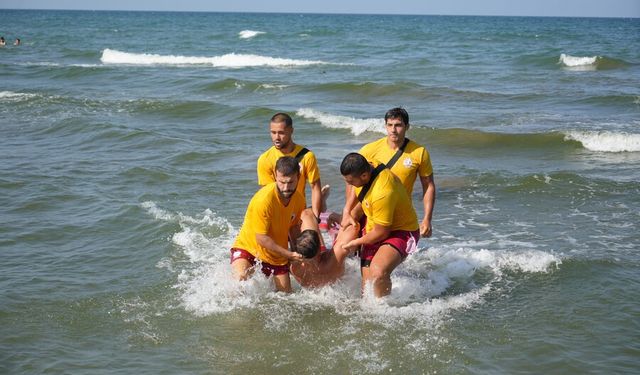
{"type": "Point", "coordinates": [379, 271]}
{"type": "Point", "coordinates": [282, 283]}
{"type": "Point", "coordinates": [241, 269]}
{"type": "Point", "coordinates": [325, 191]}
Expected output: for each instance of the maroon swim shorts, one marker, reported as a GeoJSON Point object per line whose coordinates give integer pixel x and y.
{"type": "Point", "coordinates": [267, 269]}
{"type": "Point", "coordinates": [405, 242]}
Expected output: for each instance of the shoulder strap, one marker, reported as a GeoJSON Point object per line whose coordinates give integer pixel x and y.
{"type": "Point", "coordinates": [367, 186]}
{"type": "Point", "coordinates": [396, 156]}
{"type": "Point", "coordinates": [301, 154]}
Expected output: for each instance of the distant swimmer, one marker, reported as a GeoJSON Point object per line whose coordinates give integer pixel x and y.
{"type": "Point", "coordinates": [273, 216]}
{"type": "Point", "coordinates": [2, 41]}
{"type": "Point", "coordinates": [391, 229]}
{"type": "Point", "coordinates": [17, 42]}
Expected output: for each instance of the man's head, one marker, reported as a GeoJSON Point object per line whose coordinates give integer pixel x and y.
{"type": "Point", "coordinates": [281, 130]}
{"type": "Point", "coordinates": [355, 169]}
{"type": "Point", "coordinates": [287, 174]}
{"type": "Point", "coordinates": [396, 122]}
{"type": "Point", "coordinates": [308, 243]}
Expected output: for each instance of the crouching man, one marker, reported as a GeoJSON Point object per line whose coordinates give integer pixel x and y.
{"type": "Point", "coordinates": [273, 216]}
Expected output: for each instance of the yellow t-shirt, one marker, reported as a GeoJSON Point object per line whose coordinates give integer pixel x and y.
{"type": "Point", "coordinates": [387, 203]}
{"type": "Point", "coordinates": [414, 160]}
{"type": "Point", "coordinates": [308, 167]}
{"type": "Point", "coordinates": [267, 215]}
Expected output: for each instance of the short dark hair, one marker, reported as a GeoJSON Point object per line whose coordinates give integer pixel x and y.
{"type": "Point", "coordinates": [308, 243]}
{"type": "Point", "coordinates": [397, 112]}
{"type": "Point", "coordinates": [354, 164]}
{"type": "Point", "coordinates": [282, 117]}
{"type": "Point", "coordinates": [288, 166]}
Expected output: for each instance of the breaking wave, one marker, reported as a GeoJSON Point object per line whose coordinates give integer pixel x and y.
{"type": "Point", "coordinates": [248, 34]}
{"type": "Point", "coordinates": [606, 141]}
{"type": "Point", "coordinates": [230, 60]}
{"type": "Point", "coordinates": [590, 62]}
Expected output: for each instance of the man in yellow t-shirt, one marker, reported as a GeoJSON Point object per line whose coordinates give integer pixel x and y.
{"type": "Point", "coordinates": [281, 130]}
{"type": "Point", "coordinates": [392, 230]}
{"type": "Point", "coordinates": [413, 162]}
{"type": "Point", "coordinates": [272, 217]}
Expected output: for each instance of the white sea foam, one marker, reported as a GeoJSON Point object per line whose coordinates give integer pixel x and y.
{"type": "Point", "coordinates": [247, 34]}
{"type": "Point", "coordinates": [42, 63]}
{"type": "Point", "coordinates": [421, 285]}
{"type": "Point", "coordinates": [577, 62]}
{"type": "Point", "coordinates": [15, 96]}
{"type": "Point", "coordinates": [606, 141]}
{"type": "Point", "coordinates": [427, 288]}
{"type": "Point", "coordinates": [269, 86]}
{"type": "Point", "coordinates": [230, 60]}
{"type": "Point", "coordinates": [356, 126]}
{"type": "Point", "coordinates": [87, 65]}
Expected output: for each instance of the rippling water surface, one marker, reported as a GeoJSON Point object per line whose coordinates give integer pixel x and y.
{"type": "Point", "coordinates": [127, 159]}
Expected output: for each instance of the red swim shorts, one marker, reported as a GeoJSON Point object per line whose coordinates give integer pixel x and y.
{"type": "Point", "coordinates": [405, 242]}
{"type": "Point", "coordinates": [267, 269]}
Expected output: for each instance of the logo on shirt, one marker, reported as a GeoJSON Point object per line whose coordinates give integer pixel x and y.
{"type": "Point", "coordinates": [407, 163]}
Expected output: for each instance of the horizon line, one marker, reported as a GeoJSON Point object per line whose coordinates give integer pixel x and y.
{"type": "Point", "coordinates": [313, 13]}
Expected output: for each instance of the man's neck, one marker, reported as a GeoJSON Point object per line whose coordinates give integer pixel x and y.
{"type": "Point", "coordinates": [289, 149]}
{"type": "Point", "coordinates": [283, 200]}
{"type": "Point", "coordinates": [395, 145]}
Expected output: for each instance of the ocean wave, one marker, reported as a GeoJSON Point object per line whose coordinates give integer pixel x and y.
{"type": "Point", "coordinates": [11, 96]}
{"type": "Point", "coordinates": [191, 109]}
{"type": "Point", "coordinates": [602, 141]}
{"type": "Point", "coordinates": [605, 141]}
{"type": "Point", "coordinates": [80, 54]}
{"type": "Point", "coordinates": [356, 126]}
{"type": "Point", "coordinates": [621, 100]}
{"type": "Point", "coordinates": [575, 61]}
{"type": "Point", "coordinates": [590, 62]}
{"type": "Point", "coordinates": [240, 85]}
{"type": "Point", "coordinates": [230, 60]}
{"type": "Point", "coordinates": [247, 34]}
{"type": "Point", "coordinates": [357, 91]}
{"type": "Point", "coordinates": [368, 89]}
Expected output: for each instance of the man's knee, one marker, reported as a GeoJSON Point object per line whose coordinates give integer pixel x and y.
{"type": "Point", "coordinates": [379, 272]}
{"type": "Point", "coordinates": [387, 258]}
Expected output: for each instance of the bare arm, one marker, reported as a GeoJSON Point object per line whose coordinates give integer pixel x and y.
{"type": "Point", "coordinates": [316, 197]}
{"type": "Point", "coordinates": [378, 234]}
{"type": "Point", "coordinates": [351, 200]}
{"type": "Point", "coordinates": [268, 243]}
{"type": "Point", "coordinates": [294, 232]}
{"type": "Point", "coordinates": [428, 200]}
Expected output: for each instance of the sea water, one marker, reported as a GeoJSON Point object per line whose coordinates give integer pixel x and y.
{"type": "Point", "coordinates": [128, 155]}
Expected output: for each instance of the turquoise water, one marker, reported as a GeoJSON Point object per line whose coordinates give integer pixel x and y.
{"type": "Point", "coordinates": [128, 150]}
